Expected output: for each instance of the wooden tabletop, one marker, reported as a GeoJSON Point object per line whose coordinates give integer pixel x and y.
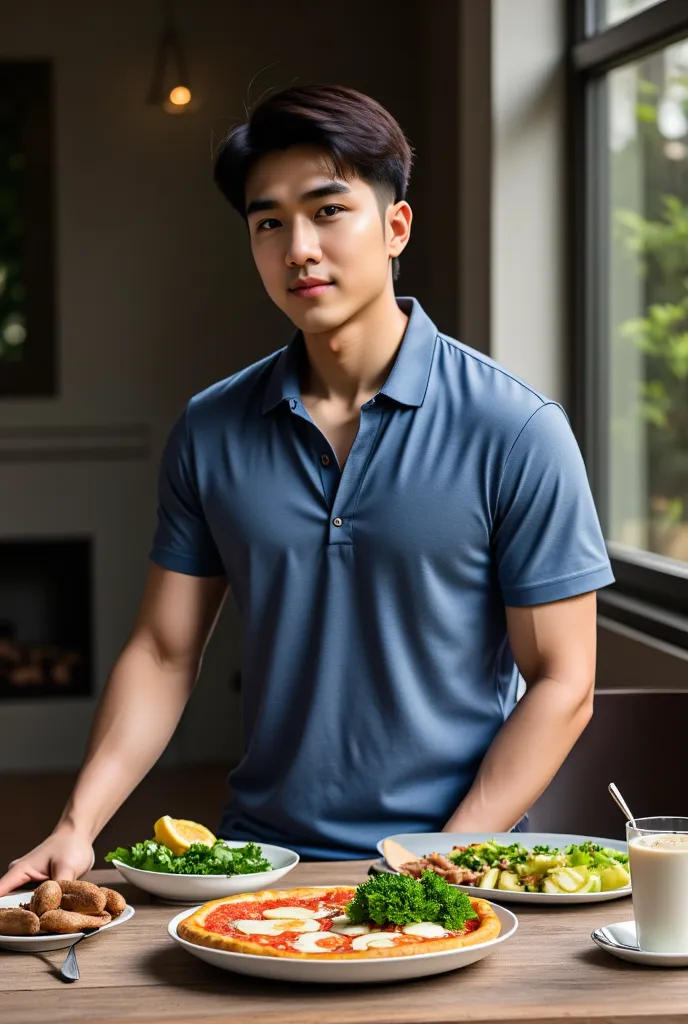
{"type": "Point", "coordinates": [549, 971]}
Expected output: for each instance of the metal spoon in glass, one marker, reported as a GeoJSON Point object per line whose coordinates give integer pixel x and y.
{"type": "Point", "coordinates": [70, 968]}
{"type": "Point", "coordinates": [619, 800]}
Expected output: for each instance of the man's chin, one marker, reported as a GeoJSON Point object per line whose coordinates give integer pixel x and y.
{"type": "Point", "coordinates": [317, 319]}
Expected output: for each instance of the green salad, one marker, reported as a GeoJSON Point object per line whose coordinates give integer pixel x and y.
{"type": "Point", "coordinates": [586, 867]}
{"type": "Point", "coordinates": [218, 859]}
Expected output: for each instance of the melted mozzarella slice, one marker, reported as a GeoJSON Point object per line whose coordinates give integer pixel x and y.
{"type": "Point", "coordinates": [343, 926]}
{"type": "Point", "coordinates": [275, 927]}
{"type": "Point", "coordinates": [310, 943]}
{"type": "Point", "coordinates": [289, 913]}
{"type": "Point", "coordinates": [374, 939]}
{"type": "Point", "coordinates": [427, 929]}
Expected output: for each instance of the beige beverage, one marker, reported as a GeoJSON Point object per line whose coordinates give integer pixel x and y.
{"type": "Point", "coordinates": [659, 878]}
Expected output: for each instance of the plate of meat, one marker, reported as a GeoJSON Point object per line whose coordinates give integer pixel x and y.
{"type": "Point", "coordinates": [530, 867]}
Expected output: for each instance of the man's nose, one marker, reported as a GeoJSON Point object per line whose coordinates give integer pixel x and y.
{"type": "Point", "coordinates": [304, 245]}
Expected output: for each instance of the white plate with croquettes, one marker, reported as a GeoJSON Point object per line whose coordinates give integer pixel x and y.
{"type": "Point", "coordinates": [56, 925]}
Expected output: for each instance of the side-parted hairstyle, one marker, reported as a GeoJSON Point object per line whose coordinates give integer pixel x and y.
{"type": "Point", "coordinates": [360, 137]}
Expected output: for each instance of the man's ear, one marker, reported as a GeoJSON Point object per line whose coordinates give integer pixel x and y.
{"type": "Point", "coordinates": [399, 218]}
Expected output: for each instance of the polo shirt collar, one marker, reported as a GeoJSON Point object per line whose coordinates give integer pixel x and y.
{"type": "Point", "coordinates": [408, 378]}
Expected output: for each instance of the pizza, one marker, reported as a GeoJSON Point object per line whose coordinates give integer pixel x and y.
{"type": "Point", "coordinates": [311, 923]}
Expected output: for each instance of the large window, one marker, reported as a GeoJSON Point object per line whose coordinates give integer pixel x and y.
{"type": "Point", "coordinates": [629, 79]}
{"type": "Point", "coordinates": [610, 12]}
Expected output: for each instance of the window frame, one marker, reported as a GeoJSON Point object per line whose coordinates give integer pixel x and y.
{"type": "Point", "coordinates": [650, 593]}
{"type": "Point", "coordinates": [36, 374]}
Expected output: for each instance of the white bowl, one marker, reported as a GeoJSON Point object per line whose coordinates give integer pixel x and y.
{"type": "Point", "coordinates": [44, 943]}
{"type": "Point", "coordinates": [192, 888]}
{"type": "Point", "coordinates": [380, 969]}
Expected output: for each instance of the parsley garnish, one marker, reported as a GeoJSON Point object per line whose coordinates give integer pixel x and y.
{"type": "Point", "coordinates": [398, 899]}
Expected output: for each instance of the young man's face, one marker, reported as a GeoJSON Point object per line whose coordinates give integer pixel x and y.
{"type": "Point", "coordinates": [322, 244]}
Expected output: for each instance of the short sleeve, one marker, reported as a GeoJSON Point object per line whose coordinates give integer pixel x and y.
{"type": "Point", "coordinates": [182, 541]}
{"type": "Point", "coordinates": [547, 539]}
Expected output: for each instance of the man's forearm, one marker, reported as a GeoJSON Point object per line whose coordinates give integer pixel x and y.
{"type": "Point", "coordinates": [136, 718]}
{"type": "Point", "coordinates": [525, 755]}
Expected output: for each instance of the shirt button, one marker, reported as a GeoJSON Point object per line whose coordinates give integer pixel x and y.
{"type": "Point", "coordinates": [337, 521]}
{"type": "Point", "coordinates": [325, 459]}
{"type": "Point", "coordinates": [292, 403]}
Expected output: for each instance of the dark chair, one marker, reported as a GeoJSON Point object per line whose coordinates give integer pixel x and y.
{"type": "Point", "coordinates": [637, 739]}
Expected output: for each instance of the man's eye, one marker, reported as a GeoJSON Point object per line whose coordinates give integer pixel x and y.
{"type": "Point", "coordinates": [330, 211]}
{"type": "Point", "coordinates": [267, 225]}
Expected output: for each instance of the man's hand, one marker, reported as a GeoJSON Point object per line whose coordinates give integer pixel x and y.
{"type": "Point", "coordinates": [554, 646]}
{"type": "Point", "coordinates": [65, 855]}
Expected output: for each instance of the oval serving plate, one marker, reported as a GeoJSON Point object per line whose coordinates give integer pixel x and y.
{"type": "Point", "coordinates": [423, 843]}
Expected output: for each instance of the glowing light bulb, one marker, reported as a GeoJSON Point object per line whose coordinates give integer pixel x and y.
{"type": "Point", "coordinates": [180, 96]}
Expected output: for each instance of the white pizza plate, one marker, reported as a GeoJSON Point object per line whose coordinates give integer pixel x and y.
{"type": "Point", "coordinates": [620, 940]}
{"type": "Point", "coordinates": [422, 843]}
{"type": "Point", "coordinates": [44, 943]}
{"type": "Point", "coordinates": [192, 888]}
{"type": "Point", "coordinates": [342, 972]}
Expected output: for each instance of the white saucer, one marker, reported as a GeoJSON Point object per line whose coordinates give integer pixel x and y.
{"type": "Point", "coordinates": [620, 940]}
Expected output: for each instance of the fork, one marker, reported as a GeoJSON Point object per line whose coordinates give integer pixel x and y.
{"type": "Point", "coordinates": [70, 968]}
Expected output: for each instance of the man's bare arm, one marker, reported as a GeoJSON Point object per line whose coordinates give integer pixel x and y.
{"type": "Point", "coordinates": [146, 693]}
{"type": "Point", "coordinates": [137, 714]}
{"type": "Point", "coordinates": [554, 646]}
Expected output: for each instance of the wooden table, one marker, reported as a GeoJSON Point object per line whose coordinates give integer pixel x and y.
{"type": "Point", "coordinates": [549, 971]}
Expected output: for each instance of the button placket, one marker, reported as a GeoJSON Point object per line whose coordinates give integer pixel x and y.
{"type": "Point", "coordinates": [342, 511]}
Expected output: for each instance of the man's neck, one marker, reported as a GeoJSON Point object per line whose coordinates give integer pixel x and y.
{"type": "Point", "coordinates": [351, 364]}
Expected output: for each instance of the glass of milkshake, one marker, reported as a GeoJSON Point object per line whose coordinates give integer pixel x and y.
{"type": "Point", "coordinates": [658, 863]}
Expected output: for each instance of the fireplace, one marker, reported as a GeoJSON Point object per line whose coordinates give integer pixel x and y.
{"type": "Point", "coordinates": [45, 618]}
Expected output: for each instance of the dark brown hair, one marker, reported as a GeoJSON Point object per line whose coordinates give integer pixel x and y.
{"type": "Point", "coordinates": [360, 137]}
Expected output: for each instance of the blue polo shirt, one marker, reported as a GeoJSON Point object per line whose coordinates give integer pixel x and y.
{"type": "Point", "coordinates": [376, 665]}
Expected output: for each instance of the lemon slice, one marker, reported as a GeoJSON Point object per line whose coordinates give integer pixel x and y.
{"type": "Point", "coordinates": [178, 834]}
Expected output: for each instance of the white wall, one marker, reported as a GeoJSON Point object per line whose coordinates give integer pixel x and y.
{"type": "Point", "coordinates": [157, 295]}
{"type": "Point", "coordinates": [528, 243]}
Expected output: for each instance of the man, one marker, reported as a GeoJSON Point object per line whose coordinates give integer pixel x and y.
{"type": "Point", "coordinates": [404, 525]}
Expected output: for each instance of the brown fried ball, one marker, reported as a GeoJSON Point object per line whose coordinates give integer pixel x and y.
{"type": "Point", "coordinates": [15, 921]}
{"type": "Point", "coordinates": [63, 922]}
{"type": "Point", "coordinates": [47, 896]}
{"type": "Point", "coordinates": [82, 897]}
{"type": "Point", "coordinates": [114, 901]}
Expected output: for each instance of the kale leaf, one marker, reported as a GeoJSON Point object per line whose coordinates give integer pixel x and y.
{"type": "Point", "coordinates": [218, 859]}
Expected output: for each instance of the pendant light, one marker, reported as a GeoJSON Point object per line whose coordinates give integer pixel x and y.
{"type": "Point", "coordinates": [170, 87]}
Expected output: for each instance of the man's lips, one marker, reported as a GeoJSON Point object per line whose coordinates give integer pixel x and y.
{"type": "Point", "coordinates": [310, 288]}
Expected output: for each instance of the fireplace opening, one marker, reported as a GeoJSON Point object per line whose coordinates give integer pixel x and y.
{"type": "Point", "coordinates": [45, 618]}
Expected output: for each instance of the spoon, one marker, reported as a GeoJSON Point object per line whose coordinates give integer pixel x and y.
{"type": "Point", "coordinates": [619, 800]}
{"type": "Point", "coordinates": [601, 934]}
{"type": "Point", "coordinates": [70, 968]}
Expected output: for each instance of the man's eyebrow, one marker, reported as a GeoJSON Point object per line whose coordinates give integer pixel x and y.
{"type": "Point", "coordinates": [330, 188]}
